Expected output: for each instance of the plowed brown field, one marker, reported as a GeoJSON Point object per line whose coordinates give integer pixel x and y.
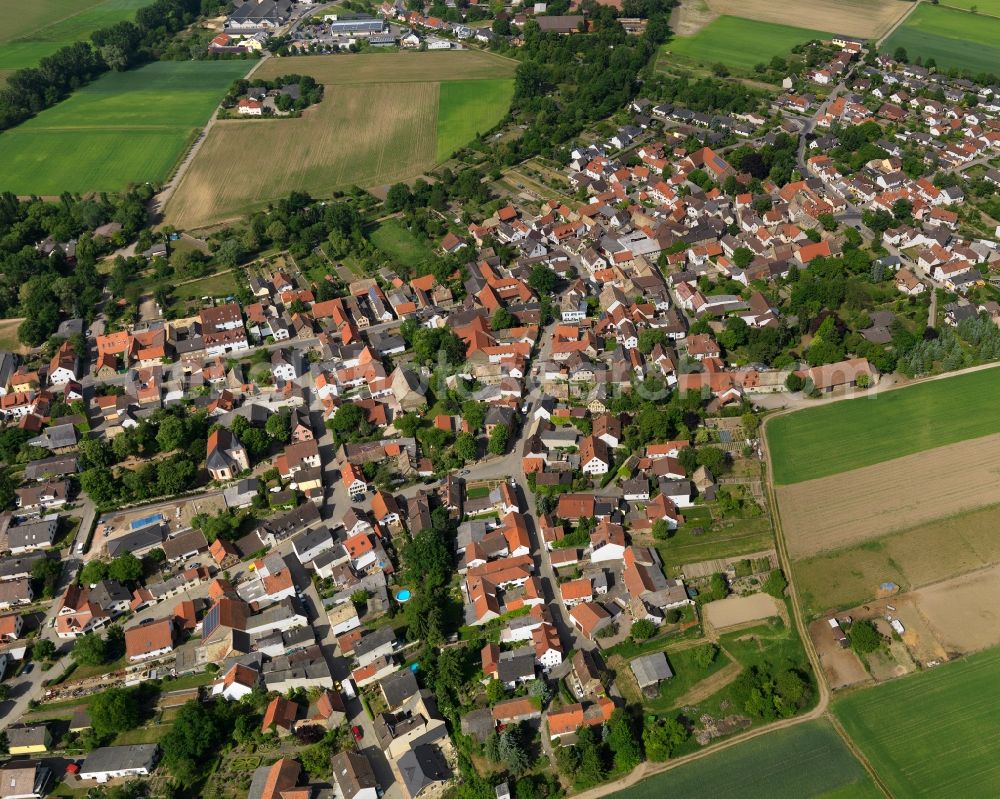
{"type": "Point", "coordinates": [864, 504]}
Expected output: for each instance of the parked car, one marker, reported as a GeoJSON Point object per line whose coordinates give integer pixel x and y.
{"type": "Point", "coordinates": [357, 732]}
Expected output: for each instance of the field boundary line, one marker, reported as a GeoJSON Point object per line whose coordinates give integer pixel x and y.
{"type": "Point", "coordinates": [859, 755]}
{"type": "Point", "coordinates": [967, 11]}
{"type": "Point", "coordinates": [896, 24]}
{"type": "Point", "coordinates": [53, 23]}
{"type": "Point", "coordinates": [806, 404]}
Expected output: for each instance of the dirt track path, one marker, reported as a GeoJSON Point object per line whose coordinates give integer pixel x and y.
{"type": "Point", "coordinates": [159, 202]}
{"type": "Point", "coordinates": [708, 686]}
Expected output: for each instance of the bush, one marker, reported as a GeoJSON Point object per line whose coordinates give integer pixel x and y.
{"type": "Point", "coordinates": [673, 615]}
{"type": "Point", "coordinates": [793, 382]}
{"type": "Point", "coordinates": [704, 656]}
{"type": "Point", "coordinates": [643, 630]}
{"type": "Point", "coordinates": [864, 637]}
{"type": "Point", "coordinates": [775, 584]}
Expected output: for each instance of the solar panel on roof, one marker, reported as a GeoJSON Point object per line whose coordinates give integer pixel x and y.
{"type": "Point", "coordinates": [211, 620]}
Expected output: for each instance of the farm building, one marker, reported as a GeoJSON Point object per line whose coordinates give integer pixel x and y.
{"type": "Point", "coordinates": [651, 670]}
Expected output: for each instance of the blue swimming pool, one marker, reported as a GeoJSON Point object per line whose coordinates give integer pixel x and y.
{"type": "Point", "coordinates": [404, 595]}
{"type": "Point", "coordinates": [145, 521]}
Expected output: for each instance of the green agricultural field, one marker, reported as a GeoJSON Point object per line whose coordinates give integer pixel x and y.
{"type": "Point", "coordinates": [981, 6]}
{"type": "Point", "coordinates": [954, 39]}
{"type": "Point", "coordinates": [807, 760]}
{"type": "Point", "coordinates": [41, 27]}
{"type": "Point", "coordinates": [932, 733]}
{"type": "Point", "coordinates": [468, 108]}
{"type": "Point", "coordinates": [840, 436]}
{"type": "Point", "coordinates": [126, 127]}
{"type": "Point", "coordinates": [738, 43]}
{"type": "Point", "coordinates": [395, 240]}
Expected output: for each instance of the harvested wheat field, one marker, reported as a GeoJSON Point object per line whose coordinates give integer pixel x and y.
{"type": "Point", "coordinates": [923, 555]}
{"type": "Point", "coordinates": [244, 164]}
{"type": "Point", "coordinates": [867, 19]}
{"type": "Point", "coordinates": [857, 506]}
{"type": "Point", "coordinates": [736, 610]}
{"type": "Point", "coordinates": [402, 67]}
{"type": "Point", "coordinates": [378, 123]}
{"type": "Point", "coordinates": [690, 17]}
{"type": "Point", "coordinates": [963, 612]}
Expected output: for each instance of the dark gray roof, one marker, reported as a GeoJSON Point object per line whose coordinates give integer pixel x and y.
{"type": "Point", "coordinates": [374, 640]}
{"type": "Point", "coordinates": [353, 773]}
{"type": "Point", "coordinates": [422, 766]}
{"type": "Point", "coordinates": [56, 466]}
{"type": "Point", "coordinates": [39, 533]}
{"type": "Point", "coordinates": [191, 541]}
{"type": "Point", "coordinates": [108, 592]}
{"type": "Point", "coordinates": [479, 724]}
{"type": "Point", "coordinates": [119, 758]}
{"type": "Point", "coordinates": [651, 669]}
{"type": "Point", "coordinates": [17, 566]}
{"type": "Point", "coordinates": [138, 541]}
{"type": "Point", "coordinates": [398, 687]}
{"type": "Point", "coordinates": [516, 664]}
{"type": "Point", "coordinates": [309, 539]}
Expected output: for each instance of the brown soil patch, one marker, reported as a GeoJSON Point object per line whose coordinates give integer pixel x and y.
{"type": "Point", "coordinates": [869, 19]}
{"type": "Point", "coordinates": [737, 610]}
{"type": "Point", "coordinates": [841, 666]}
{"type": "Point", "coordinates": [862, 504]}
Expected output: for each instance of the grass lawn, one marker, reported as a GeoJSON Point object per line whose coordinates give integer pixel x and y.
{"type": "Point", "coordinates": [86, 672]}
{"type": "Point", "coordinates": [737, 43]}
{"type": "Point", "coordinates": [954, 39]}
{"type": "Point", "coordinates": [147, 734]}
{"type": "Point", "coordinates": [126, 127]}
{"type": "Point", "coordinates": [8, 335]}
{"type": "Point", "coordinates": [932, 733]}
{"type": "Point", "coordinates": [478, 492]}
{"type": "Point", "coordinates": [41, 27]}
{"type": "Point", "coordinates": [187, 681]}
{"type": "Point", "coordinates": [687, 674]}
{"type": "Point", "coordinates": [468, 108]}
{"type": "Point", "coordinates": [835, 438]}
{"type": "Point", "coordinates": [724, 539]}
{"type": "Point", "coordinates": [770, 646]}
{"type": "Point", "coordinates": [223, 285]}
{"type": "Point", "coordinates": [396, 241]}
{"type": "Point", "coordinates": [808, 760]}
